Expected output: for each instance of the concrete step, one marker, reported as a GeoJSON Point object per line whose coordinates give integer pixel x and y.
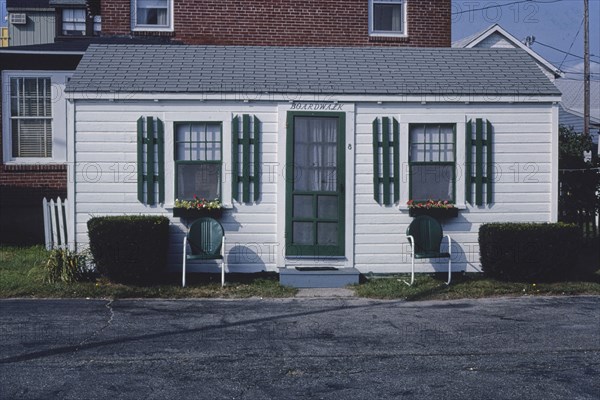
{"type": "Point", "coordinates": [318, 277]}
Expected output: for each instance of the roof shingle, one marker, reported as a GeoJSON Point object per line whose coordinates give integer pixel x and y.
{"type": "Point", "coordinates": [324, 70]}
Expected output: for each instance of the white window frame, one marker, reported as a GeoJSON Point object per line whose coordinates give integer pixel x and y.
{"type": "Point", "coordinates": [74, 21]}
{"type": "Point", "coordinates": [153, 28]}
{"type": "Point", "coordinates": [58, 80]}
{"type": "Point", "coordinates": [373, 32]}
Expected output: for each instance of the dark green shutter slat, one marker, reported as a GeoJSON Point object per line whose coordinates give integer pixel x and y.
{"type": "Point", "coordinates": [246, 158]}
{"type": "Point", "coordinates": [376, 160]}
{"type": "Point", "coordinates": [479, 162]}
{"type": "Point", "coordinates": [468, 162]}
{"type": "Point", "coordinates": [256, 176]}
{"type": "Point", "coordinates": [235, 128]}
{"type": "Point", "coordinates": [489, 173]}
{"type": "Point", "coordinates": [150, 160]}
{"type": "Point", "coordinates": [396, 139]}
{"type": "Point", "coordinates": [161, 160]}
{"type": "Point", "coordinates": [140, 159]}
{"type": "Point", "coordinates": [385, 122]}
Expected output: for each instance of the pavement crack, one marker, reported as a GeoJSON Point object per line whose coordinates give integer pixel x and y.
{"type": "Point", "coordinates": [102, 328]}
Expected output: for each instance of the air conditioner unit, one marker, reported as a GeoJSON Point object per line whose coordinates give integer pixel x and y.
{"type": "Point", "coordinates": [18, 19]}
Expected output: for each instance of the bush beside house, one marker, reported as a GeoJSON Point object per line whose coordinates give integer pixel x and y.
{"type": "Point", "coordinates": [529, 252]}
{"type": "Point", "coordinates": [129, 249]}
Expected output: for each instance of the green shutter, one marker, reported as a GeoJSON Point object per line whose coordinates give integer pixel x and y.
{"type": "Point", "coordinates": [140, 159]}
{"type": "Point", "coordinates": [396, 139]}
{"type": "Point", "coordinates": [489, 175]}
{"type": "Point", "coordinates": [483, 171]}
{"type": "Point", "coordinates": [469, 162]}
{"type": "Point", "coordinates": [376, 160]}
{"type": "Point", "coordinates": [235, 167]}
{"type": "Point", "coordinates": [250, 145]}
{"type": "Point", "coordinates": [390, 169]}
{"type": "Point", "coordinates": [256, 145]}
{"type": "Point", "coordinates": [153, 146]}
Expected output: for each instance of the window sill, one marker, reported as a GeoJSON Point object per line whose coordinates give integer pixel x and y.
{"type": "Point", "coordinates": [152, 29]}
{"type": "Point", "coordinates": [389, 38]}
{"type": "Point", "coordinates": [37, 166]}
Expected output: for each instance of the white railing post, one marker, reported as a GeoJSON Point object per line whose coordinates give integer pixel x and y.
{"type": "Point", "coordinates": [56, 234]}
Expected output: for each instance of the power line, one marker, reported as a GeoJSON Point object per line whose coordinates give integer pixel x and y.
{"type": "Point", "coordinates": [565, 52]}
{"type": "Point", "coordinates": [572, 43]}
{"type": "Point", "coordinates": [504, 5]}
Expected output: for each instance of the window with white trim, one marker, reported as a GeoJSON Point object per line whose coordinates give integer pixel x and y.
{"type": "Point", "coordinates": [152, 14]}
{"type": "Point", "coordinates": [432, 161]}
{"type": "Point", "coordinates": [387, 17]}
{"type": "Point", "coordinates": [31, 117]}
{"type": "Point", "coordinates": [73, 21]}
{"type": "Point", "coordinates": [198, 160]}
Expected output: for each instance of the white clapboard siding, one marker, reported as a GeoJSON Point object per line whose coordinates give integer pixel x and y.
{"type": "Point", "coordinates": [106, 174]}
{"type": "Point", "coordinates": [522, 185]}
{"type": "Point", "coordinates": [106, 181]}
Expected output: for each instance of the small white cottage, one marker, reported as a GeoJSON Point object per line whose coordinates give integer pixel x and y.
{"type": "Point", "coordinates": [314, 151]}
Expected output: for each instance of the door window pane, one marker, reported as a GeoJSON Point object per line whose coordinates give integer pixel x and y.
{"type": "Point", "coordinates": [327, 207]}
{"type": "Point", "coordinates": [327, 233]}
{"type": "Point", "coordinates": [315, 153]}
{"type": "Point", "coordinates": [303, 206]}
{"type": "Point", "coordinates": [302, 233]}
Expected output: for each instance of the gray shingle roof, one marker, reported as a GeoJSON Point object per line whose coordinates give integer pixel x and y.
{"type": "Point", "coordinates": [332, 70]}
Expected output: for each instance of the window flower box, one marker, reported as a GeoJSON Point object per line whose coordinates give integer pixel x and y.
{"type": "Point", "coordinates": [440, 209]}
{"type": "Point", "coordinates": [198, 208]}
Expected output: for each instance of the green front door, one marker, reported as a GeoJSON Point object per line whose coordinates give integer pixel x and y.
{"type": "Point", "coordinates": [315, 184]}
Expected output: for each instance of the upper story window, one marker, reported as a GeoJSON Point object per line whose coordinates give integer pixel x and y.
{"type": "Point", "coordinates": [73, 21]}
{"type": "Point", "coordinates": [387, 17]}
{"type": "Point", "coordinates": [152, 15]}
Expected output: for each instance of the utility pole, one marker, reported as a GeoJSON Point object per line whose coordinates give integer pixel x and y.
{"type": "Point", "coordinates": [586, 68]}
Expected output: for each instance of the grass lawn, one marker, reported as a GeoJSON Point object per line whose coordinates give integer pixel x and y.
{"type": "Point", "coordinates": [22, 275]}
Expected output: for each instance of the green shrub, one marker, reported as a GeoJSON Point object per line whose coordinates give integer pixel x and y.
{"type": "Point", "coordinates": [527, 252]}
{"type": "Point", "coordinates": [129, 249]}
{"type": "Point", "coordinates": [67, 266]}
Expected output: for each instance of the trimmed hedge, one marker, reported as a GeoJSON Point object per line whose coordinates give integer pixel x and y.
{"type": "Point", "coordinates": [528, 252]}
{"type": "Point", "coordinates": [129, 249]}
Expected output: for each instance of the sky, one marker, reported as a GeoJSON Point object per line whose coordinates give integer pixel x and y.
{"type": "Point", "coordinates": [556, 23]}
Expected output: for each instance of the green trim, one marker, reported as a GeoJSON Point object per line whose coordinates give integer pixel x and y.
{"type": "Point", "coordinates": [396, 139]}
{"type": "Point", "coordinates": [140, 159]}
{"type": "Point", "coordinates": [376, 160]}
{"type": "Point", "coordinates": [385, 125]}
{"type": "Point", "coordinates": [246, 158]}
{"type": "Point", "coordinates": [469, 163]}
{"type": "Point", "coordinates": [256, 144]}
{"type": "Point", "coordinates": [479, 162]}
{"type": "Point", "coordinates": [235, 149]}
{"type": "Point", "coordinates": [490, 167]}
{"type": "Point", "coordinates": [161, 160]}
{"type": "Point", "coordinates": [150, 159]}
{"type": "Point", "coordinates": [315, 250]}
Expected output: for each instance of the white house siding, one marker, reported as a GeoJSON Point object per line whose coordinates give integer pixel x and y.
{"type": "Point", "coordinates": [523, 185]}
{"type": "Point", "coordinates": [105, 174]}
{"type": "Point", "coordinates": [105, 179]}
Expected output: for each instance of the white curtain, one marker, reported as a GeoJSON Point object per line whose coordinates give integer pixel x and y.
{"type": "Point", "coordinates": [315, 154]}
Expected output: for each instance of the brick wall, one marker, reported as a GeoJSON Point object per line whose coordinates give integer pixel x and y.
{"type": "Point", "coordinates": [287, 22]}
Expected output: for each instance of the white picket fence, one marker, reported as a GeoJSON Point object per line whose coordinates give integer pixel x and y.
{"type": "Point", "coordinates": [55, 223]}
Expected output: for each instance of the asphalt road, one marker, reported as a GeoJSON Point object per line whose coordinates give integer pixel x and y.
{"type": "Point", "coordinates": [526, 348]}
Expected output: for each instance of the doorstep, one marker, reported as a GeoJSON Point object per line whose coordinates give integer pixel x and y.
{"type": "Point", "coordinates": [319, 277]}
